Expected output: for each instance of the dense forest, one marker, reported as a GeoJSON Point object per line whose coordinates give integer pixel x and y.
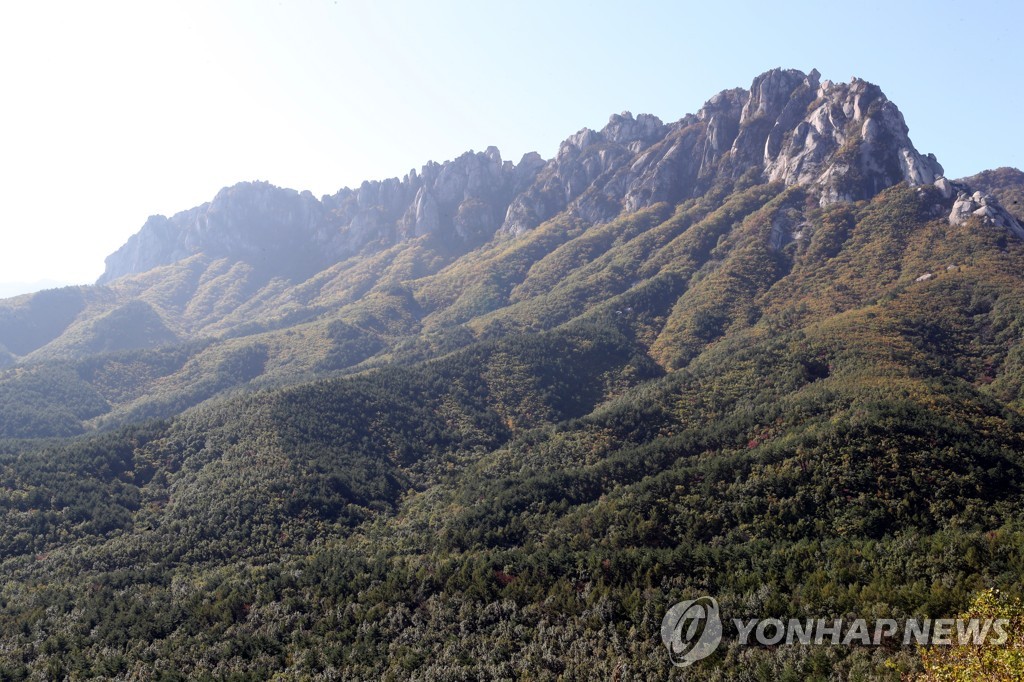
{"type": "Point", "coordinates": [511, 466]}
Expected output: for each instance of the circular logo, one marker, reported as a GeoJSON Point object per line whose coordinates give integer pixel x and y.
{"type": "Point", "coordinates": [692, 630]}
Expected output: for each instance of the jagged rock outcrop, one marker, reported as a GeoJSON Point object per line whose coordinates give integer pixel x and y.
{"type": "Point", "coordinates": [1005, 184]}
{"type": "Point", "coordinates": [629, 164]}
{"type": "Point", "coordinates": [294, 234]}
{"type": "Point", "coordinates": [985, 207]}
{"type": "Point", "coordinates": [256, 222]}
{"type": "Point", "coordinates": [846, 142]}
{"type": "Point", "coordinates": [848, 139]}
{"type": "Point", "coordinates": [466, 198]}
{"type": "Point", "coordinates": [586, 162]}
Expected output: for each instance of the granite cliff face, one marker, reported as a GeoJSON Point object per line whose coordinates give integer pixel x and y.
{"type": "Point", "coordinates": [846, 142]}
{"type": "Point", "coordinates": [294, 234]}
{"type": "Point", "coordinates": [255, 222]}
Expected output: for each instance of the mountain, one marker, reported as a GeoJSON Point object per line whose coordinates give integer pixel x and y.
{"type": "Point", "coordinates": [847, 140]}
{"type": "Point", "coordinates": [306, 286]}
{"type": "Point", "coordinates": [492, 420]}
{"type": "Point", "coordinates": [284, 232]}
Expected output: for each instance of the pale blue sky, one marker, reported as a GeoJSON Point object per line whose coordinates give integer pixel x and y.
{"type": "Point", "coordinates": [113, 111]}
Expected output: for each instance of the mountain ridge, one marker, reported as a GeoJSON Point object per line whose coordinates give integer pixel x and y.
{"type": "Point", "coordinates": [263, 288]}
{"type": "Point", "coordinates": [848, 140]}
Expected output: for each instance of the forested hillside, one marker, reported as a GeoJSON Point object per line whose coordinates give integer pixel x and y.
{"type": "Point", "coordinates": [458, 457]}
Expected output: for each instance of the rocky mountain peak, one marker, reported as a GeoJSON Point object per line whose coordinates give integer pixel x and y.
{"type": "Point", "coordinates": [293, 234]}
{"type": "Point", "coordinates": [267, 226]}
{"type": "Point", "coordinates": [625, 130]}
{"type": "Point", "coordinates": [728, 103]}
{"type": "Point", "coordinates": [845, 142]}
{"type": "Point", "coordinates": [849, 140]}
{"type": "Point", "coordinates": [771, 92]}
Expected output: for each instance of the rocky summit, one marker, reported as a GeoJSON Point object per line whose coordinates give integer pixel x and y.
{"type": "Point", "coordinates": [845, 142]}
{"type": "Point", "coordinates": [296, 234]}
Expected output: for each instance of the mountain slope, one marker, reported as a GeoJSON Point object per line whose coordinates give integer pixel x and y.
{"type": "Point", "coordinates": [535, 503]}
{"type": "Point", "coordinates": [765, 353]}
{"type": "Point", "coordinates": [270, 272]}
